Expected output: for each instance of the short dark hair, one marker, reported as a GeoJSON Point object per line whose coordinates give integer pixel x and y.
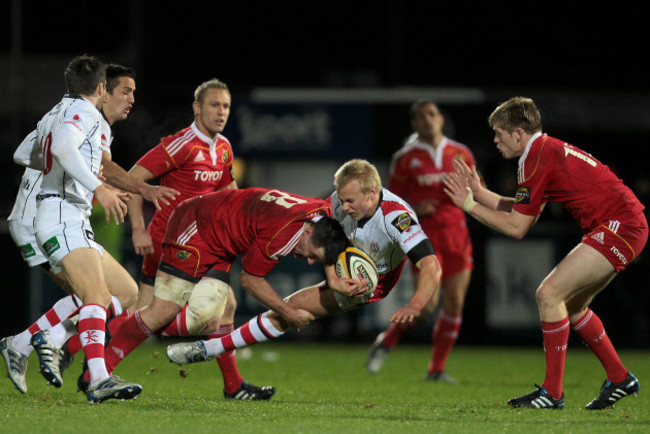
{"type": "Point", "coordinates": [419, 103]}
{"type": "Point", "coordinates": [113, 74]}
{"type": "Point", "coordinates": [329, 234]}
{"type": "Point", "coordinates": [83, 74]}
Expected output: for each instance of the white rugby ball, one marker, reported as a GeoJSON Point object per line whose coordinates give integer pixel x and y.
{"type": "Point", "coordinates": [355, 264]}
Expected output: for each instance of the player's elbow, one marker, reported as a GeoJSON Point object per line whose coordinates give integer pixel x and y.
{"type": "Point", "coordinates": [430, 266]}
{"type": "Point", "coordinates": [517, 233]}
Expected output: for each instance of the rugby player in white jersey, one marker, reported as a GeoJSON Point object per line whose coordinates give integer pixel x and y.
{"type": "Point", "coordinates": [116, 106]}
{"type": "Point", "coordinates": [374, 220]}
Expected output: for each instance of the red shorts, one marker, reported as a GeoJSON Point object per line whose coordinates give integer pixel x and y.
{"type": "Point", "coordinates": [151, 261]}
{"type": "Point", "coordinates": [453, 247]}
{"type": "Point", "coordinates": [620, 241]}
{"type": "Point", "coordinates": [191, 258]}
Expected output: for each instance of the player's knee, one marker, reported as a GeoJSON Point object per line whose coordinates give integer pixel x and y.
{"type": "Point", "coordinates": [208, 301]}
{"type": "Point", "coordinates": [547, 296]}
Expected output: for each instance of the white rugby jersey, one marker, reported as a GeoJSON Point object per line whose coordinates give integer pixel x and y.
{"type": "Point", "coordinates": [82, 117]}
{"type": "Point", "coordinates": [30, 183]}
{"type": "Point", "coordinates": [387, 236]}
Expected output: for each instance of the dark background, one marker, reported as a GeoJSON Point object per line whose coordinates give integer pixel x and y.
{"type": "Point", "coordinates": [584, 63]}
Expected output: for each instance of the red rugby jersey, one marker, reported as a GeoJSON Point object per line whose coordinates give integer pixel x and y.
{"type": "Point", "coordinates": [551, 170]}
{"type": "Point", "coordinates": [261, 224]}
{"type": "Point", "coordinates": [190, 162]}
{"type": "Point", "coordinates": [417, 173]}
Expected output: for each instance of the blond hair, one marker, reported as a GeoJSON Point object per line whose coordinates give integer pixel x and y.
{"type": "Point", "coordinates": [360, 170]}
{"type": "Point", "coordinates": [214, 83]}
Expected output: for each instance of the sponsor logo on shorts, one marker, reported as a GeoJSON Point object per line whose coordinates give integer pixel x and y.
{"type": "Point", "coordinates": [50, 246]}
{"type": "Point", "coordinates": [27, 250]}
{"type": "Point", "coordinates": [183, 255]}
{"type": "Point", "coordinates": [618, 254]}
{"type": "Point", "coordinates": [523, 195]}
{"type": "Point", "coordinates": [402, 222]}
{"type": "Point", "coordinates": [600, 237]}
{"type": "Point", "coordinates": [614, 225]}
{"type": "Point", "coordinates": [90, 235]}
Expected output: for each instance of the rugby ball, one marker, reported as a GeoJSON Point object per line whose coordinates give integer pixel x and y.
{"type": "Point", "coordinates": [355, 264]}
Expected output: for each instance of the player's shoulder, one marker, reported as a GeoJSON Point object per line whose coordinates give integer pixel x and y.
{"type": "Point", "coordinates": [178, 140]}
{"type": "Point", "coordinates": [81, 107]}
{"type": "Point", "coordinates": [458, 146]}
{"type": "Point", "coordinates": [221, 139]}
{"type": "Point", "coordinates": [392, 205]}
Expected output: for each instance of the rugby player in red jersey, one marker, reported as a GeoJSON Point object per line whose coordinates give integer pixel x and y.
{"type": "Point", "coordinates": [615, 232]}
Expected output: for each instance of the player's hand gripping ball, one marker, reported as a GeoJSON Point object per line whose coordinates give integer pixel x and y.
{"type": "Point", "coordinates": [355, 264]}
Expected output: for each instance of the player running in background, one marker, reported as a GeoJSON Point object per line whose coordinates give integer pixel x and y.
{"type": "Point", "coordinates": [375, 221]}
{"type": "Point", "coordinates": [204, 236]}
{"type": "Point", "coordinates": [196, 160]}
{"type": "Point", "coordinates": [117, 102]}
{"type": "Point", "coordinates": [615, 232]}
{"type": "Point", "coordinates": [416, 175]}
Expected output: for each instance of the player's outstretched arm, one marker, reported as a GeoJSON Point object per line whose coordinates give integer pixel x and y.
{"type": "Point", "coordinates": [263, 292]}
{"type": "Point", "coordinates": [120, 178]}
{"type": "Point", "coordinates": [428, 284]}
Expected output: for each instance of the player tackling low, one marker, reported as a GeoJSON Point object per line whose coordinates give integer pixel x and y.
{"type": "Point", "coordinates": [610, 216]}
{"type": "Point", "coordinates": [374, 220]}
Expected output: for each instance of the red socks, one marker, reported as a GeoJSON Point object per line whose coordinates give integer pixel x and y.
{"type": "Point", "coordinates": [445, 334]}
{"type": "Point", "coordinates": [556, 338]}
{"type": "Point", "coordinates": [591, 331]}
{"type": "Point", "coordinates": [227, 362]}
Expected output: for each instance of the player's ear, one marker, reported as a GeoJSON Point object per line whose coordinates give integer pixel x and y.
{"type": "Point", "coordinates": [196, 107]}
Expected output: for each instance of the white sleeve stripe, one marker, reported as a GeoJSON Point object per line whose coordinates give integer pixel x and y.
{"type": "Point", "coordinates": [178, 144]}
{"type": "Point", "coordinates": [188, 233]}
{"type": "Point", "coordinates": [288, 248]}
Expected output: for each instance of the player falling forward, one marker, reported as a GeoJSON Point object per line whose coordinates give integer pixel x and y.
{"type": "Point", "coordinates": [615, 232]}
{"type": "Point", "coordinates": [204, 236]}
{"type": "Point", "coordinates": [375, 221]}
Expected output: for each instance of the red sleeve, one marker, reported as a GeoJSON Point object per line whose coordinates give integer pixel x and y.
{"type": "Point", "coordinates": [399, 178]}
{"type": "Point", "coordinates": [159, 161]}
{"type": "Point", "coordinates": [530, 194]}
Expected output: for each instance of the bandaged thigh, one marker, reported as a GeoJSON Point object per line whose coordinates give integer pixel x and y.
{"type": "Point", "coordinates": [208, 300]}
{"type": "Point", "coordinates": [170, 288]}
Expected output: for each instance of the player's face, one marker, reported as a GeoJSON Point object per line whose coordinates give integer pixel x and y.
{"type": "Point", "coordinates": [427, 122]}
{"type": "Point", "coordinates": [117, 105]}
{"type": "Point", "coordinates": [305, 249]}
{"type": "Point", "coordinates": [212, 114]}
{"type": "Point", "coordinates": [509, 144]}
{"type": "Point", "coordinates": [356, 203]}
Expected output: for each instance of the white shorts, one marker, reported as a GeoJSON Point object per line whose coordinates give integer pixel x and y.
{"type": "Point", "coordinates": [23, 234]}
{"type": "Point", "coordinates": [59, 240]}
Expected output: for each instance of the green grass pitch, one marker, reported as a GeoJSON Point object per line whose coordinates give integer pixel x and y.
{"type": "Point", "coordinates": [325, 388]}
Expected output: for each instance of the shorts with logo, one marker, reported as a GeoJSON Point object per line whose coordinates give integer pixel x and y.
{"type": "Point", "coordinates": [23, 233]}
{"type": "Point", "coordinates": [59, 240]}
{"type": "Point", "coordinates": [185, 254]}
{"type": "Point", "coordinates": [620, 241]}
